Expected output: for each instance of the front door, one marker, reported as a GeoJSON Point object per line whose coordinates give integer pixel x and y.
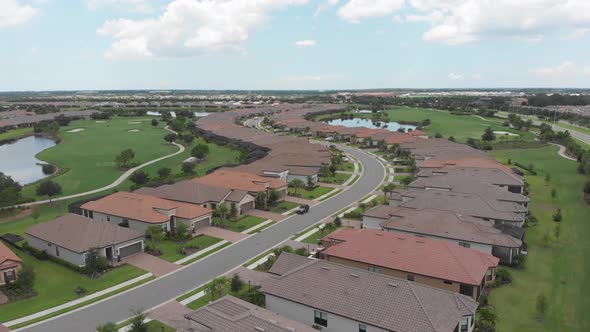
{"type": "Point", "coordinates": [109, 253]}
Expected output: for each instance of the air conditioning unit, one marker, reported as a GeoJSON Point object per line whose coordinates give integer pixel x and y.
{"type": "Point", "coordinates": [317, 327]}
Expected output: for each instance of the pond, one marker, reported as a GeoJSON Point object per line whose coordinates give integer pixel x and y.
{"type": "Point", "coordinates": [18, 158]}
{"type": "Point", "coordinates": [368, 123]}
{"type": "Point", "coordinates": [173, 114]}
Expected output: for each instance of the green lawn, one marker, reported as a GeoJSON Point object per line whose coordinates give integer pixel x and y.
{"type": "Point", "coordinates": [171, 252]}
{"type": "Point", "coordinates": [560, 271]}
{"type": "Point", "coordinates": [461, 127]}
{"type": "Point", "coordinates": [244, 223]}
{"type": "Point", "coordinates": [15, 133]}
{"type": "Point", "coordinates": [315, 237]}
{"type": "Point", "coordinates": [311, 194]}
{"type": "Point", "coordinates": [346, 166]}
{"type": "Point", "coordinates": [56, 285]}
{"type": "Point", "coordinates": [338, 178]}
{"type": "Point", "coordinates": [283, 207]}
{"type": "Point", "coordinates": [93, 150]}
{"type": "Point", "coordinates": [157, 326]}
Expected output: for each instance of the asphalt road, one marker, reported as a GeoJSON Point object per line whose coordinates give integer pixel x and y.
{"type": "Point", "coordinates": [173, 285]}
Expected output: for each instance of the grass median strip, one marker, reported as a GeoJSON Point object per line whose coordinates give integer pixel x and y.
{"type": "Point", "coordinates": [257, 258]}
{"type": "Point", "coordinates": [207, 253]}
{"type": "Point", "coordinates": [336, 192]}
{"type": "Point", "coordinates": [96, 299]}
{"type": "Point", "coordinates": [191, 293]}
{"type": "Point", "coordinates": [304, 231]}
{"type": "Point", "coordinates": [258, 230]}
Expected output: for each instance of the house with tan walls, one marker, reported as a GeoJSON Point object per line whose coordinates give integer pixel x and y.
{"type": "Point", "coordinates": [10, 263]}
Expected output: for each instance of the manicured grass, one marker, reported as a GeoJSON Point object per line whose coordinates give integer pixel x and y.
{"type": "Point", "coordinates": [315, 237]}
{"type": "Point", "coordinates": [15, 133]}
{"type": "Point", "coordinates": [170, 249]}
{"type": "Point", "coordinates": [258, 230]}
{"type": "Point", "coordinates": [332, 194]}
{"type": "Point", "coordinates": [346, 166]}
{"type": "Point", "coordinates": [338, 178]}
{"type": "Point", "coordinates": [56, 284]}
{"type": "Point", "coordinates": [311, 194]}
{"type": "Point", "coordinates": [93, 150]}
{"type": "Point", "coordinates": [157, 326]}
{"type": "Point", "coordinates": [207, 253]}
{"type": "Point", "coordinates": [283, 207]}
{"type": "Point", "coordinates": [257, 258]}
{"type": "Point", "coordinates": [244, 223]}
{"type": "Point", "coordinates": [559, 270]}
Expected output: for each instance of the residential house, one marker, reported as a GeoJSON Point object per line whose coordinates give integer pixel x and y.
{"type": "Point", "coordinates": [10, 263]}
{"type": "Point", "coordinates": [335, 297]}
{"type": "Point", "coordinates": [502, 178]}
{"type": "Point", "coordinates": [242, 182]}
{"type": "Point", "coordinates": [436, 263]}
{"type": "Point", "coordinates": [138, 211]}
{"type": "Point", "coordinates": [72, 237]}
{"type": "Point", "coordinates": [232, 314]}
{"type": "Point", "coordinates": [502, 241]}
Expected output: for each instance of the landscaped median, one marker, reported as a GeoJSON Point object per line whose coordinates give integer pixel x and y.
{"type": "Point", "coordinates": [311, 194]}
{"type": "Point", "coordinates": [173, 251]}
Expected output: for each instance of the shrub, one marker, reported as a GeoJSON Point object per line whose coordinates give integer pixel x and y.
{"type": "Point", "coordinates": [438, 135]}
{"type": "Point", "coordinates": [236, 283]}
{"type": "Point", "coordinates": [188, 168]}
{"type": "Point", "coordinates": [503, 277]}
{"type": "Point", "coordinates": [520, 261]}
{"type": "Point", "coordinates": [587, 187]}
{"type": "Point", "coordinates": [557, 215]}
{"type": "Point", "coordinates": [48, 169]}
{"type": "Point", "coordinates": [139, 177]}
{"type": "Point", "coordinates": [338, 222]}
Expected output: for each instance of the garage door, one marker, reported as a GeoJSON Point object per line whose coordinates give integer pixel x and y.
{"type": "Point", "coordinates": [130, 250]}
{"type": "Point", "coordinates": [202, 223]}
{"type": "Point", "coordinates": [247, 207]}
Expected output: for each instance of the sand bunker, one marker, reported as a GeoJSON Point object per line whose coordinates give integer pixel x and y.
{"type": "Point", "coordinates": [134, 122]}
{"type": "Point", "coordinates": [100, 121]}
{"type": "Point", "coordinates": [133, 130]}
{"type": "Point", "coordinates": [505, 133]}
{"type": "Point", "coordinates": [75, 130]}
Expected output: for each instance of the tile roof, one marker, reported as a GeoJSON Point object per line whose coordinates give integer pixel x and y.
{"type": "Point", "coordinates": [7, 255]}
{"type": "Point", "coordinates": [144, 208]}
{"type": "Point", "coordinates": [229, 314]}
{"type": "Point", "coordinates": [428, 257]}
{"type": "Point", "coordinates": [287, 263]}
{"type": "Point", "coordinates": [371, 298]}
{"type": "Point", "coordinates": [195, 193]}
{"type": "Point", "coordinates": [443, 223]}
{"type": "Point", "coordinates": [487, 175]}
{"type": "Point", "coordinates": [236, 180]}
{"type": "Point", "coordinates": [80, 234]}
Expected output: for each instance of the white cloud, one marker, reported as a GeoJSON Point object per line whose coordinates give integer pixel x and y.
{"type": "Point", "coordinates": [189, 27]}
{"type": "Point", "coordinates": [577, 34]}
{"type": "Point", "coordinates": [532, 38]}
{"type": "Point", "coordinates": [323, 6]}
{"type": "Point", "coordinates": [564, 68]}
{"type": "Point", "coordinates": [140, 6]}
{"type": "Point", "coordinates": [455, 77]}
{"type": "Point", "coordinates": [355, 10]}
{"type": "Point", "coordinates": [12, 13]}
{"type": "Point", "coordinates": [304, 78]}
{"type": "Point", "coordinates": [305, 43]}
{"type": "Point", "coordinates": [462, 21]}
{"type": "Point", "coordinates": [587, 70]}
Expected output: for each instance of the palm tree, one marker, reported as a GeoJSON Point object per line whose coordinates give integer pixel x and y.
{"type": "Point", "coordinates": [222, 211]}
{"type": "Point", "coordinates": [297, 184]}
{"type": "Point", "coordinates": [487, 319]}
{"type": "Point", "coordinates": [214, 286]}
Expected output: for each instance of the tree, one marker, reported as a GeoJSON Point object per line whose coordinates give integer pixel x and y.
{"type": "Point", "coordinates": [325, 171]}
{"type": "Point", "coordinates": [188, 167]}
{"type": "Point", "coordinates": [541, 305]}
{"type": "Point", "coordinates": [222, 211]}
{"type": "Point", "coordinates": [547, 177]}
{"type": "Point", "coordinates": [216, 285]}
{"type": "Point", "coordinates": [164, 172]}
{"type": "Point", "coordinates": [200, 151]}
{"type": "Point", "coordinates": [557, 215]}
{"type": "Point", "coordinates": [297, 184]}
{"type": "Point", "coordinates": [48, 169]}
{"type": "Point", "coordinates": [332, 169]}
{"type": "Point", "coordinates": [553, 193]}
{"type": "Point", "coordinates": [233, 211]}
{"type": "Point", "coordinates": [25, 280]}
{"type": "Point", "coordinates": [107, 327]}
{"type": "Point", "coordinates": [261, 200]}
{"type": "Point", "coordinates": [155, 234]}
{"type": "Point", "coordinates": [425, 122]}
{"type": "Point", "coordinates": [49, 188]}
{"type": "Point", "coordinates": [438, 135]}
{"type": "Point", "coordinates": [487, 319]}
{"type": "Point", "coordinates": [407, 180]}
{"type": "Point", "coordinates": [188, 139]}
{"type": "Point", "coordinates": [236, 283]}
{"type": "Point", "coordinates": [337, 222]}
{"type": "Point", "coordinates": [154, 122]}
{"type": "Point", "coordinates": [123, 159]}
{"type": "Point", "coordinates": [139, 177]}
{"type": "Point", "coordinates": [382, 145]}
{"type": "Point", "coordinates": [488, 135]}
{"type": "Point", "coordinates": [181, 231]}
{"type": "Point", "coordinates": [273, 197]}
{"type": "Point", "coordinates": [171, 138]}
{"type": "Point", "coordinates": [138, 323]}
{"type": "Point", "coordinates": [10, 190]}
{"type": "Point", "coordinates": [388, 188]}
{"type": "Point", "coordinates": [310, 182]}
{"type": "Point", "coordinates": [95, 263]}
{"type": "Point", "coordinates": [452, 138]}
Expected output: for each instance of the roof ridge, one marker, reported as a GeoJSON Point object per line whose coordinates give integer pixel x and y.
{"type": "Point", "coordinates": [465, 269]}
{"type": "Point", "coordinates": [421, 305]}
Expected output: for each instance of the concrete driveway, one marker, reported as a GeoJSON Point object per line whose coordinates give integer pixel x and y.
{"type": "Point", "coordinates": [221, 233]}
{"type": "Point", "coordinates": [161, 290]}
{"type": "Point", "coordinates": [152, 264]}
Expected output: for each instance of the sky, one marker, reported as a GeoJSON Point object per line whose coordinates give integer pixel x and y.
{"type": "Point", "coordinates": [293, 44]}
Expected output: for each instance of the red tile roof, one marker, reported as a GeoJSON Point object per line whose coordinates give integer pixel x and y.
{"type": "Point", "coordinates": [418, 255]}
{"type": "Point", "coordinates": [240, 181]}
{"type": "Point", "coordinates": [144, 208]}
{"type": "Point", "coordinates": [7, 255]}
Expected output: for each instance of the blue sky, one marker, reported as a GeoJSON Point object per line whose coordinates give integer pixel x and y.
{"type": "Point", "coordinates": [293, 44]}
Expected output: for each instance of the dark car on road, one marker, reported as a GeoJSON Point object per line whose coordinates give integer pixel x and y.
{"type": "Point", "coordinates": [303, 209]}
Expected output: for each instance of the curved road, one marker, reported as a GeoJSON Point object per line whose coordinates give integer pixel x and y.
{"type": "Point", "coordinates": [115, 183]}
{"type": "Point", "coordinates": [154, 293]}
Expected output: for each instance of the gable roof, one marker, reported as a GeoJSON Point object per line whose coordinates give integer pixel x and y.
{"type": "Point", "coordinates": [232, 314]}
{"type": "Point", "coordinates": [428, 257]}
{"type": "Point", "coordinates": [443, 223]}
{"type": "Point", "coordinates": [192, 192]}
{"type": "Point", "coordinates": [236, 180]}
{"type": "Point", "coordinates": [7, 255]}
{"type": "Point", "coordinates": [144, 208]}
{"type": "Point", "coordinates": [80, 234]}
{"type": "Point", "coordinates": [371, 298]}
{"type": "Point", "coordinates": [495, 176]}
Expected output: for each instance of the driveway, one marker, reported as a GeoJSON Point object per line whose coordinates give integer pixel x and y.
{"type": "Point", "coordinates": [221, 233]}
{"type": "Point", "coordinates": [152, 264]}
{"type": "Point", "coordinates": [172, 314]}
{"type": "Point", "coordinates": [117, 308]}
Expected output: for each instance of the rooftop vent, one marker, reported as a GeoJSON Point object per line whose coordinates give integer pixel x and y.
{"type": "Point", "coordinates": [325, 268]}
{"type": "Point", "coordinates": [391, 284]}
{"type": "Point", "coordinates": [354, 275]}
{"type": "Point", "coordinates": [258, 328]}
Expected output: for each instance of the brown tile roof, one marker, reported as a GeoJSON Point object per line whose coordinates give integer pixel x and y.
{"type": "Point", "coordinates": [230, 314]}
{"type": "Point", "coordinates": [80, 234]}
{"type": "Point", "coordinates": [371, 298]}
{"type": "Point", "coordinates": [487, 175]}
{"type": "Point", "coordinates": [144, 208]}
{"type": "Point", "coordinates": [444, 224]}
{"type": "Point", "coordinates": [287, 263]}
{"type": "Point", "coordinates": [7, 255]}
{"type": "Point", "coordinates": [243, 181]}
{"type": "Point", "coordinates": [192, 192]}
{"type": "Point", "coordinates": [418, 255]}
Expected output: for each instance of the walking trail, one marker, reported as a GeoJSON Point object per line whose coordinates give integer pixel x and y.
{"type": "Point", "coordinates": [117, 182]}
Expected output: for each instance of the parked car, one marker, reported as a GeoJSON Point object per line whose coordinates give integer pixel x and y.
{"type": "Point", "coordinates": [303, 209]}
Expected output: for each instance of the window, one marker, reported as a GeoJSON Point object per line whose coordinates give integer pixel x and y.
{"type": "Point", "coordinates": [57, 251]}
{"type": "Point", "coordinates": [9, 276]}
{"type": "Point", "coordinates": [373, 268]}
{"type": "Point", "coordinates": [465, 325]}
{"type": "Point", "coordinates": [320, 318]}
{"type": "Point", "coordinates": [49, 244]}
{"type": "Point", "coordinates": [411, 277]}
{"type": "Point", "coordinates": [466, 290]}
{"type": "Point", "coordinates": [464, 244]}
{"type": "Point", "coordinates": [448, 282]}
{"type": "Point", "coordinates": [108, 218]}
{"type": "Point", "coordinates": [362, 328]}
{"type": "Point", "coordinates": [489, 275]}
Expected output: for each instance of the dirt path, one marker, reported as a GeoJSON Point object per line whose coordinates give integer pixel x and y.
{"type": "Point", "coordinates": [562, 153]}
{"type": "Point", "coordinates": [19, 215]}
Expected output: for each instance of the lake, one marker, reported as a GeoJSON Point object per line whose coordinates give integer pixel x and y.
{"type": "Point", "coordinates": [18, 158]}
{"type": "Point", "coordinates": [173, 114]}
{"type": "Point", "coordinates": [368, 123]}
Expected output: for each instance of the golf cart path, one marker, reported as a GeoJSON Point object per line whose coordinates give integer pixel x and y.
{"type": "Point", "coordinates": [117, 182]}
